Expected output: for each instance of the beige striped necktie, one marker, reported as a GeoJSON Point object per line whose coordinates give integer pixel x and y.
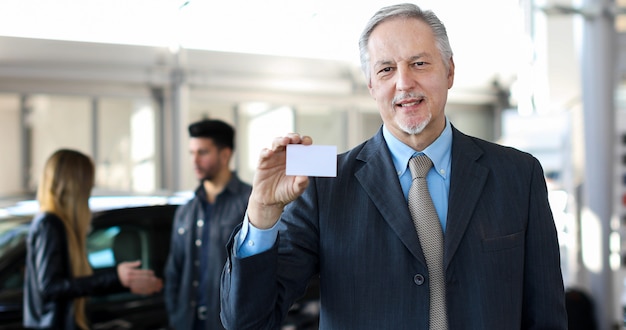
{"type": "Point", "coordinates": [430, 235]}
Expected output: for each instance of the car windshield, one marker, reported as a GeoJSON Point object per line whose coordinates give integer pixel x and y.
{"type": "Point", "coordinates": [13, 231]}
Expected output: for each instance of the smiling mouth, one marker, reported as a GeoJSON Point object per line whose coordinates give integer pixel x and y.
{"type": "Point", "coordinates": [409, 104]}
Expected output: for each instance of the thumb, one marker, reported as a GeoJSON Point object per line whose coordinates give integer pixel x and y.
{"type": "Point", "coordinates": [134, 264]}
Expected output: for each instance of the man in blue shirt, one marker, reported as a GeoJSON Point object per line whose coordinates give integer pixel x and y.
{"type": "Point", "coordinates": [201, 229]}
{"type": "Point", "coordinates": [355, 231]}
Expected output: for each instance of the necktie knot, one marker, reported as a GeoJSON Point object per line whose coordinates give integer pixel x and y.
{"type": "Point", "coordinates": [419, 166]}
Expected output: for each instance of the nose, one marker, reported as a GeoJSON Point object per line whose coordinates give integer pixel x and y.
{"type": "Point", "coordinates": [405, 80]}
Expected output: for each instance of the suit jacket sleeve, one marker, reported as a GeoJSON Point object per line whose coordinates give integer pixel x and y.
{"type": "Point", "coordinates": [544, 300]}
{"type": "Point", "coordinates": [249, 302]}
{"type": "Point", "coordinates": [257, 291]}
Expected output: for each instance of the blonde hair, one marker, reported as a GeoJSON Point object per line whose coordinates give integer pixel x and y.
{"type": "Point", "coordinates": [64, 190]}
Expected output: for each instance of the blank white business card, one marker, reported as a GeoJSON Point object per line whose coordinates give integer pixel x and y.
{"type": "Point", "coordinates": [311, 160]}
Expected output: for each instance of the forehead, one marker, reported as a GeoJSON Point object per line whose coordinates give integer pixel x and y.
{"type": "Point", "coordinates": [401, 38]}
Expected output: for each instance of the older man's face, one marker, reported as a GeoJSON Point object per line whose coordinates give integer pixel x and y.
{"type": "Point", "coordinates": [409, 79]}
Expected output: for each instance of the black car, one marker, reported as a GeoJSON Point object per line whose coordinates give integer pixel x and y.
{"type": "Point", "coordinates": [122, 232]}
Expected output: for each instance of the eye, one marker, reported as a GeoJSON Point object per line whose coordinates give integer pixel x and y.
{"type": "Point", "coordinates": [385, 70]}
{"type": "Point", "coordinates": [418, 64]}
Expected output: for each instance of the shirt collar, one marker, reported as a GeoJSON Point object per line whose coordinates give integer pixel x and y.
{"type": "Point", "coordinates": [439, 151]}
{"type": "Point", "coordinates": [233, 186]}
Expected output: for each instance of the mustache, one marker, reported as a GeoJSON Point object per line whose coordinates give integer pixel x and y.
{"type": "Point", "coordinates": [407, 95]}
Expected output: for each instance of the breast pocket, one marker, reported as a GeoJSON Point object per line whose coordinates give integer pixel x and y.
{"type": "Point", "coordinates": [503, 242]}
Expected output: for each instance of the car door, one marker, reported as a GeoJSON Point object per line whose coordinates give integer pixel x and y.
{"type": "Point", "coordinates": [137, 233]}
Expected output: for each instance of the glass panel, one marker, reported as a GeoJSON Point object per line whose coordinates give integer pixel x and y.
{"type": "Point", "coordinates": [13, 233]}
{"type": "Point", "coordinates": [100, 247]}
{"type": "Point", "coordinates": [57, 122]}
{"type": "Point", "coordinates": [11, 145]}
{"type": "Point", "coordinates": [368, 124]}
{"type": "Point", "coordinates": [259, 124]}
{"type": "Point", "coordinates": [475, 120]}
{"type": "Point", "coordinates": [108, 247]}
{"type": "Point", "coordinates": [127, 156]}
{"type": "Point", "coordinates": [325, 125]}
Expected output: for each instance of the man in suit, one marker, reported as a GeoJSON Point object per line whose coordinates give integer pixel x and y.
{"type": "Point", "coordinates": [355, 231]}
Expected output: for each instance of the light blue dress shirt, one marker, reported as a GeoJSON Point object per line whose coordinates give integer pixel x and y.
{"type": "Point", "coordinates": [438, 178]}
{"type": "Point", "coordinates": [251, 240]}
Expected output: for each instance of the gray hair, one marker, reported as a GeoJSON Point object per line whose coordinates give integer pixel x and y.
{"type": "Point", "coordinates": [405, 10]}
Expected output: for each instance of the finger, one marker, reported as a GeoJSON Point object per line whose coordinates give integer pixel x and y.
{"type": "Point", "coordinates": [132, 264]}
{"type": "Point", "coordinates": [307, 140]}
{"type": "Point", "coordinates": [279, 143]}
{"type": "Point", "coordinates": [265, 154]}
{"type": "Point", "coordinates": [295, 138]}
{"type": "Point", "coordinates": [143, 273]}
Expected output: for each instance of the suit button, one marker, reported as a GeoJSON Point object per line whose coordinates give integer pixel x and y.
{"type": "Point", "coordinates": [418, 279]}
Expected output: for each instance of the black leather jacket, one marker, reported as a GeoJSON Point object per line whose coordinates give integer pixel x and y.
{"type": "Point", "coordinates": [49, 287]}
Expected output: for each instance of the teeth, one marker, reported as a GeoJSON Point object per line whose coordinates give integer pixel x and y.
{"type": "Point", "coordinates": [408, 104]}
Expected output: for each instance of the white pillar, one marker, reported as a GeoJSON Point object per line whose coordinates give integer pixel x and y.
{"type": "Point", "coordinates": [598, 88]}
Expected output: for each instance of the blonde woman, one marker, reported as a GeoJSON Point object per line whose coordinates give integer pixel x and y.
{"type": "Point", "coordinates": [58, 275]}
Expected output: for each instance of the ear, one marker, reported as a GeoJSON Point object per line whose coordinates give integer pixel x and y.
{"type": "Point", "coordinates": [370, 88]}
{"type": "Point", "coordinates": [451, 73]}
{"type": "Point", "coordinates": [225, 154]}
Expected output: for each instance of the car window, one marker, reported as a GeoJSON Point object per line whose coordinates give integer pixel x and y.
{"type": "Point", "coordinates": [100, 247]}
{"type": "Point", "coordinates": [107, 247]}
{"type": "Point", "coordinates": [13, 233]}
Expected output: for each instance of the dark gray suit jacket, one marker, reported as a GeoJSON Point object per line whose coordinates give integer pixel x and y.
{"type": "Point", "coordinates": [501, 249]}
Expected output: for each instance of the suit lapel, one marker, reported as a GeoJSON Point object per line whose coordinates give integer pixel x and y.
{"type": "Point", "coordinates": [380, 182]}
{"type": "Point", "coordinates": [467, 180]}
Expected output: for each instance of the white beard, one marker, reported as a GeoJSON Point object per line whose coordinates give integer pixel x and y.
{"type": "Point", "coordinates": [416, 128]}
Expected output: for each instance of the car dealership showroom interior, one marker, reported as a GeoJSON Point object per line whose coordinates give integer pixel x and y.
{"type": "Point", "coordinates": [122, 80]}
